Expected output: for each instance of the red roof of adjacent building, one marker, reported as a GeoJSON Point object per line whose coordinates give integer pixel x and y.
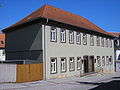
{"type": "Point", "coordinates": [116, 34]}
{"type": "Point", "coordinates": [60, 15]}
{"type": "Point", "coordinates": [2, 40]}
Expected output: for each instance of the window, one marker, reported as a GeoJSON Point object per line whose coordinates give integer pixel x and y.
{"type": "Point", "coordinates": [107, 60]}
{"type": "Point", "coordinates": [2, 42]}
{"type": "Point", "coordinates": [84, 39]}
{"type": "Point", "coordinates": [117, 43]}
{"type": "Point", "coordinates": [91, 40]}
{"type": "Point", "coordinates": [63, 65]}
{"type": "Point", "coordinates": [79, 63]}
{"type": "Point", "coordinates": [62, 35]}
{"type": "Point", "coordinates": [71, 37]}
{"type": "Point", "coordinates": [98, 61]}
{"type": "Point", "coordinates": [102, 42]}
{"type": "Point", "coordinates": [3, 53]}
{"type": "Point", "coordinates": [53, 65]}
{"type": "Point", "coordinates": [111, 60]}
{"type": "Point", "coordinates": [53, 34]}
{"type": "Point", "coordinates": [98, 40]}
{"type": "Point", "coordinates": [103, 60]}
{"type": "Point", "coordinates": [78, 38]}
{"type": "Point", "coordinates": [106, 42]}
{"type": "Point", "coordinates": [110, 43]}
{"type": "Point", "coordinates": [72, 64]}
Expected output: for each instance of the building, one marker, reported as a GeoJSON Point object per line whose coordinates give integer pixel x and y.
{"type": "Point", "coordinates": [2, 47]}
{"type": "Point", "coordinates": [117, 49]}
{"type": "Point", "coordinates": [67, 44]}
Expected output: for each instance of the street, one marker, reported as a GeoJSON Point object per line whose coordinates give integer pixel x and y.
{"type": "Point", "coordinates": [109, 81]}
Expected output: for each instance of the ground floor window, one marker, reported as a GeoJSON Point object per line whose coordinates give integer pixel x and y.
{"type": "Point", "coordinates": [79, 63]}
{"type": "Point", "coordinates": [103, 60]}
{"type": "Point", "coordinates": [71, 64]}
{"type": "Point", "coordinates": [63, 65]}
{"type": "Point", "coordinates": [98, 61]}
{"type": "Point", "coordinates": [53, 64]}
{"type": "Point", "coordinates": [107, 60]}
{"type": "Point", "coordinates": [111, 60]}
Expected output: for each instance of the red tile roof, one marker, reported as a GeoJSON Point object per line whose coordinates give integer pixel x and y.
{"type": "Point", "coordinates": [2, 40]}
{"type": "Point", "coordinates": [60, 15]}
{"type": "Point", "coordinates": [116, 34]}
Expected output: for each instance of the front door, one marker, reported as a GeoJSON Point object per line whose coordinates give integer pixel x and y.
{"type": "Point", "coordinates": [91, 64]}
{"type": "Point", "coordinates": [85, 64]}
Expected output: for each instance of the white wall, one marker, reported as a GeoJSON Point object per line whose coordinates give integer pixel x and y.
{"type": "Point", "coordinates": [57, 49]}
{"type": "Point", "coordinates": [2, 56]}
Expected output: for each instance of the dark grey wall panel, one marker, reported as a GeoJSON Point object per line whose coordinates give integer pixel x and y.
{"type": "Point", "coordinates": [26, 38]}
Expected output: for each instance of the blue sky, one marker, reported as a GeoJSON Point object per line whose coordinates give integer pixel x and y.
{"type": "Point", "coordinates": [104, 13]}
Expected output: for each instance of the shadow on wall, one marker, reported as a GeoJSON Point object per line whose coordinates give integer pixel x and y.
{"type": "Point", "coordinates": [112, 85]}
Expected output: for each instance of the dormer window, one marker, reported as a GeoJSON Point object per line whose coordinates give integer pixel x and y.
{"type": "Point", "coordinates": [53, 34]}
{"type": "Point", "coordinates": [71, 37]}
{"type": "Point", "coordinates": [62, 35]}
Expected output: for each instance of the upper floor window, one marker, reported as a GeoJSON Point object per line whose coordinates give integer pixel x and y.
{"type": "Point", "coordinates": [72, 64]}
{"type": "Point", "coordinates": [98, 40]}
{"type": "Point", "coordinates": [71, 37]}
{"type": "Point", "coordinates": [84, 39]}
{"type": "Point", "coordinates": [103, 60]}
{"type": "Point", "coordinates": [78, 38]}
{"type": "Point", "coordinates": [53, 65]}
{"type": "Point", "coordinates": [62, 35]}
{"type": "Point", "coordinates": [117, 43]}
{"type": "Point", "coordinates": [53, 34]}
{"type": "Point", "coordinates": [63, 65]}
{"type": "Point", "coordinates": [79, 63]}
{"type": "Point", "coordinates": [102, 42]}
{"type": "Point", "coordinates": [106, 42]}
{"type": "Point", "coordinates": [110, 43]}
{"type": "Point", "coordinates": [91, 40]}
{"type": "Point", "coordinates": [98, 61]}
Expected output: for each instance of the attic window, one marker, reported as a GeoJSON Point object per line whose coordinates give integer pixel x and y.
{"type": "Point", "coordinates": [2, 42]}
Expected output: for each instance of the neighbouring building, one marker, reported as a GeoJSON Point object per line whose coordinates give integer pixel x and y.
{"type": "Point", "coordinates": [67, 44]}
{"type": "Point", "coordinates": [2, 47]}
{"type": "Point", "coordinates": [117, 49]}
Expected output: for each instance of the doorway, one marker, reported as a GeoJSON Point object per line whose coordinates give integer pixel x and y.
{"type": "Point", "coordinates": [88, 64]}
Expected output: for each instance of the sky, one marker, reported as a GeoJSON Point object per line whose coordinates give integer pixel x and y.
{"type": "Point", "coordinates": [103, 13]}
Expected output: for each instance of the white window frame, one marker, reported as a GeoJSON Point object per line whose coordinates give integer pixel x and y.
{"type": "Point", "coordinates": [107, 60]}
{"type": "Point", "coordinates": [106, 42]}
{"type": "Point", "coordinates": [53, 34]}
{"type": "Point", "coordinates": [71, 64]}
{"type": "Point", "coordinates": [79, 63]}
{"type": "Point", "coordinates": [63, 35]}
{"type": "Point", "coordinates": [78, 37]}
{"type": "Point", "coordinates": [63, 64]}
{"type": "Point", "coordinates": [98, 40]}
{"type": "Point", "coordinates": [110, 43]}
{"type": "Point", "coordinates": [92, 40]}
{"type": "Point", "coordinates": [84, 39]}
{"type": "Point", "coordinates": [103, 60]}
{"type": "Point", "coordinates": [98, 61]}
{"type": "Point", "coordinates": [53, 65]}
{"type": "Point", "coordinates": [71, 37]}
{"type": "Point", "coordinates": [102, 41]}
{"type": "Point", "coordinates": [111, 60]}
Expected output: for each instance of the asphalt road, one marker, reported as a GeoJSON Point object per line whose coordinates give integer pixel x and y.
{"type": "Point", "coordinates": [109, 81]}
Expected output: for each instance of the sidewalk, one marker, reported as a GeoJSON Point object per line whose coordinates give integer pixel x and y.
{"type": "Point", "coordinates": [73, 83]}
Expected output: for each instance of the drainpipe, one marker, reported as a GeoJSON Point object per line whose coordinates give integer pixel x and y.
{"type": "Point", "coordinates": [45, 48]}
